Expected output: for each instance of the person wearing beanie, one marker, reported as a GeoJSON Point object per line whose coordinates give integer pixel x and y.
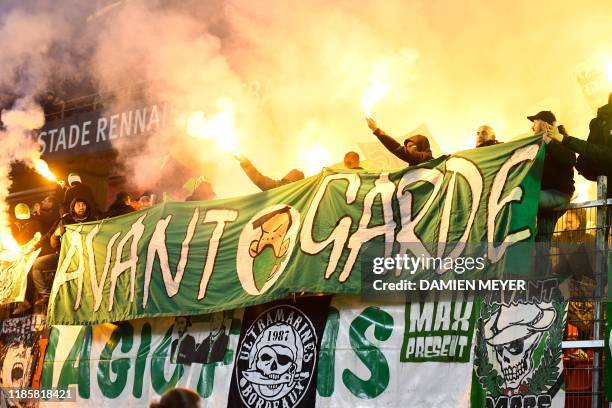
{"type": "Point", "coordinates": [595, 154]}
{"type": "Point", "coordinates": [75, 189]}
{"type": "Point", "coordinates": [44, 268]}
{"type": "Point", "coordinates": [25, 226]}
{"type": "Point", "coordinates": [266, 183]}
{"type": "Point", "coordinates": [415, 150]}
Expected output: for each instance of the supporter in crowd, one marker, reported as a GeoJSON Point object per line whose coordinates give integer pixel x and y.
{"type": "Point", "coordinates": [485, 136]}
{"type": "Point", "coordinates": [266, 183]}
{"type": "Point", "coordinates": [352, 161]}
{"type": "Point", "coordinates": [203, 191]}
{"type": "Point", "coordinates": [43, 270]}
{"type": "Point", "coordinates": [25, 226]}
{"type": "Point", "coordinates": [122, 205]}
{"type": "Point", "coordinates": [36, 209]}
{"type": "Point", "coordinates": [178, 397]}
{"type": "Point", "coordinates": [595, 154]}
{"type": "Point", "coordinates": [145, 200]}
{"type": "Point", "coordinates": [557, 177]}
{"type": "Point", "coordinates": [49, 212]}
{"type": "Point", "coordinates": [75, 189]}
{"type": "Point", "coordinates": [416, 148]}
{"type": "Point", "coordinates": [574, 254]}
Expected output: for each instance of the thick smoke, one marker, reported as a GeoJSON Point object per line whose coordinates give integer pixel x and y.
{"type": "Point", "coordinates": [31, 55]}
{"type": "Point", "coordinates": [296, 71]}
{"type": "Point", "coordinates": [17, 144]}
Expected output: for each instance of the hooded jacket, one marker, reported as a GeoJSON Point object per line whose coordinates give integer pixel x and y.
{"type": "Point", "coordinates": [68, 219]}
{"type": "Point", "coordinates": [595, 154]}
{"type": "Point", "coordinates": [118, 208]}
{"type": "Point", "coordinates": [79, 190]}
{"type": "Point", "coordinates": [266, 183]}
{"type": "Point", "coordinates": [421, 155]}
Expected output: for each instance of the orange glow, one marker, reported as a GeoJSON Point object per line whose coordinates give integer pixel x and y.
{"type": "Point", "coordinates": [608, 71]}
{"type": "Point", "coordinates": [42, 168]}
{"type": "Point", "coordinates": [314, 158]}
{"type": "Point", "coordinates": [583, 192]}
{"type": "Point", "coordinates": [9, 248]}
{"type": "Point", "coordinates": [220, 127]}
{"type": "Point", "coordinates": [373, 95]}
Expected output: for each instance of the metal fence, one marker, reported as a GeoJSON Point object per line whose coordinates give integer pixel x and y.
{"type": "Point", "coordinates": [578, 237]}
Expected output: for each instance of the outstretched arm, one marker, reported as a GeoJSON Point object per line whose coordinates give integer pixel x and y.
{"type": "Point", "coordinates": [391, 144]}
{"type": "Point", "coordinates": [263, 182]}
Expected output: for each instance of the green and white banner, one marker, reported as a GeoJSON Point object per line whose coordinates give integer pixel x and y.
{"type": "Point", "coordinates": [518, 358]}
{"type": "Point", "coordinates": [14, 272]}
{"type": "Point", "coordinates": [359, 365]}
{"type": "Point", "coordinates": [307, 236]}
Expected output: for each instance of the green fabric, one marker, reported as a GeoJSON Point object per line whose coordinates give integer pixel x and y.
{"type": "Point", "coordinates": [216, 253]}
{"type": "Point", "coordinates": [518, 356]}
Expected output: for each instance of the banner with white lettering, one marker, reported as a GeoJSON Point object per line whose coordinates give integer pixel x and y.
{"type": "Point", "coordinates": [277, 357]}
{"type": "Point", "coordinates": [309, 236]}
{"type": "Point", "coordinates": [440, 328]}
{"type": "Point", "coordinates": [96, 131]}
{"type": "Point", "coordinates": [15, 265]}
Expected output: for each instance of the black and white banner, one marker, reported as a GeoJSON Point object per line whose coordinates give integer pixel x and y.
{"type": "Point", "coordinates": [276, 361]}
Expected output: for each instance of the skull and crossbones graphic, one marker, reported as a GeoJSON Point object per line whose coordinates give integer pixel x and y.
{"type": "Point", "coordinates": [514, 332]}
{"type": "Point", "coordinates": [275, 363]}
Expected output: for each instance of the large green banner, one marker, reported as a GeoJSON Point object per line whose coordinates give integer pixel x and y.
{"type": "Point", "coordinates": [201, 257]}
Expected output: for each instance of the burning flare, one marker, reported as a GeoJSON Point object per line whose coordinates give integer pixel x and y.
{"type": "Point", "coordinates": [220, 127]}
{"type": "Point", "coordinates": [42, 168]}
{"type": "Point", "coordinates": [9, 248]}
{"type": "Point", "coordinates": [375, 92]}
{"type": "Point", "coordinates": [314, 159]}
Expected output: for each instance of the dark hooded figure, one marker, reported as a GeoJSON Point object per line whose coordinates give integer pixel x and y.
{"type": "Point", "coordinates": [595, 154]}
{"type": "Point", "coordinates": [415, 150]}
{"type": "Point", "coordinates": [75, 189]}
{"type": "Point", "coordinates": [266, 183]}
{"type": "Point", "coordinates": [122, 205]}
{"type": "Point", "coordinates": [44, 268]}
{"type": "Point", "coordinates": [202, 192]}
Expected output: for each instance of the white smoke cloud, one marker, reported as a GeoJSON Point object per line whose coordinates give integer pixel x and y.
{"type": "Point", "coordinates": [296, 71]}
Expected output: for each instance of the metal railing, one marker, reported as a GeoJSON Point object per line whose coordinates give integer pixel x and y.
{"type": "Point", "coordinates": [580, 233]}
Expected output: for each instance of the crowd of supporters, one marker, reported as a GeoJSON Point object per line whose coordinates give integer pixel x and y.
{"type": "Point", "coordinates": [74, 202]}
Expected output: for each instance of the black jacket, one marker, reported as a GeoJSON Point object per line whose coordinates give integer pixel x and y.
{"type": "Point", "coordinates": [420, 155]}
{"type": "Point", "coordinates": [117, 209]}
{"type": "Point", "coordinates": [68, 219]}
{"type": "Point", "coordinates": [24, 230]}
{"type": "Point", "coordinates": [186, 352]}
{"type": "Point", "coordinates": [79, 190]}
{"type": "Point", "coordinates": [595, 155]}
{"type": "Point", "coordinates": [558, 172]}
